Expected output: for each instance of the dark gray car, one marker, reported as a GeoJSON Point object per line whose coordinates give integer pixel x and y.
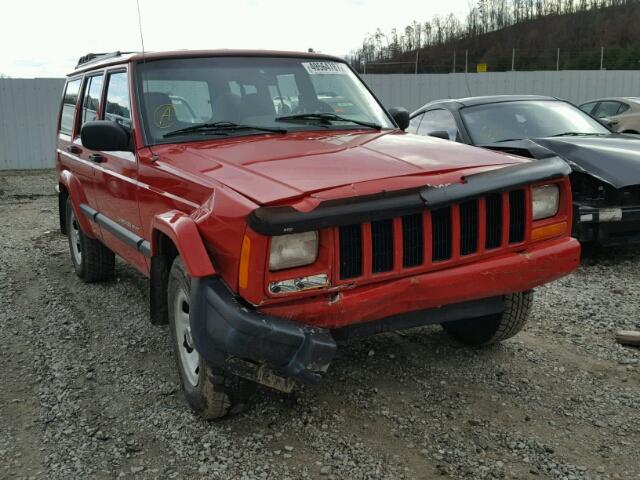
{"type": "Point", "coordinates": [606, 165]}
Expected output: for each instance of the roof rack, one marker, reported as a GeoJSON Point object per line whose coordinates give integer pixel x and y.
{"type": "Point", "coordinates": [94, 57]}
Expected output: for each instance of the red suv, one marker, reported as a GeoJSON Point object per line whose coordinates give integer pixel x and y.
{"type": "Point", "coordinates": [269, 229]}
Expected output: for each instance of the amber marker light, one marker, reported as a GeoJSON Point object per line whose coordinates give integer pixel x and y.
{"type": "Point", "coordinates": [548, 231]}
{"type": "Point", "coordinates": [245, 255]}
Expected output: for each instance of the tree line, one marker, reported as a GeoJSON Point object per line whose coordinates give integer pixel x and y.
{"type": "Point", "coordinates": [491, 16]}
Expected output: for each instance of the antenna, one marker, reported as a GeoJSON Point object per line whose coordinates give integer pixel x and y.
{"type": "Point", "coordinates": [140, 27]}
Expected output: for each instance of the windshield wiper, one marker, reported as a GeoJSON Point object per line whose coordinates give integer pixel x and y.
{"type": "Point", "coordinates": [221, 128]}
{"type": "Point", "coordinates": [327, 118]}
{"type": "Point", "coordinates": [578, 134]}
{"type": "Point", "coordinates": [508, 140]}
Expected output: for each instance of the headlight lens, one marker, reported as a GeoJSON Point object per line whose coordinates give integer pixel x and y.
{"type": "Point", "coordinates": [545, 201]}
{"type": "Point", "coordinates": [293, 250]}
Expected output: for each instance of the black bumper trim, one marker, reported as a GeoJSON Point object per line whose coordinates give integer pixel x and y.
{"type": "Point", "coordinates": [334, 213]}
{"type": "Point", "coordinates": [421, 318]}
{"type": "Point", "coordinates": [624, 231]}
{"type": "Point", "coordinates": [222, 326]}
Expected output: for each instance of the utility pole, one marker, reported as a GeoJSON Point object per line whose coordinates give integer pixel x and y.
{"type": "Point", "coordinates": [558, 61]}
{"type": "Point", "coordinates": [454, 61]}
{"type": "Point", "coordinates": [601, 58]}
{"type": "Point", "coordinates": [466, 60]}
{"type": "Point", "coordinates": [513, 60]}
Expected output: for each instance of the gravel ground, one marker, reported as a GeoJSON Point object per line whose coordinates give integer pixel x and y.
{"type": "Point", "coordinates": [89, 387]}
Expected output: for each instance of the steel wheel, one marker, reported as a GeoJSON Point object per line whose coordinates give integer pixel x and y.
{"type": "Point", "coordinates": [190, 359]}
{"type": "Point", "coordinates": [74, 234]}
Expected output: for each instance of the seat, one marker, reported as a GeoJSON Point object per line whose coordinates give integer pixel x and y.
{"type": "Point", "coordinates": [256, 106]}
{"type": "Point", "coordinates": [160, 114]}
{"type": "Point", "coordinates": [227, 107]}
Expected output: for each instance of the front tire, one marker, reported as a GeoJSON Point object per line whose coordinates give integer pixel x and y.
{"type": "Point", "coordinates": [92, 261]}
{"type": "Point", "coordinates": [210, 392]}
{"type": "Point", "coordinates": [493, 328]}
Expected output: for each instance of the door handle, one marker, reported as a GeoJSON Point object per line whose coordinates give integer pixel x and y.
{"type": "Point", "coordinates": [96, 158]}
{"type": "Point", "coordinates": [74, 149]}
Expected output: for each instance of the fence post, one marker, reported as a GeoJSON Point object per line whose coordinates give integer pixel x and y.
{"type": "Point", "coordinates": [466, 60]}
{"type": "Point", "coordinates": [558, 61]}
{"type": "Point", "coordinates": [417, 52]}
{"type": "Point", "coordinates": [601, 58]}
{"type": "Point", "coordinates": [513, 60]}
{"type": "Point", "coordinates": [454, 61]}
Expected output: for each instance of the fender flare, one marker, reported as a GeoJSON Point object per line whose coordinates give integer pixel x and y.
{"type": "Point", "coordinates": [183, 232]}
{"type": "Point", "coordinates": [77, 197]}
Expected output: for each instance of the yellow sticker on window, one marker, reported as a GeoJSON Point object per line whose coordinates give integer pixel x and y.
{"type": "Point", "coordinates": [164, 116]}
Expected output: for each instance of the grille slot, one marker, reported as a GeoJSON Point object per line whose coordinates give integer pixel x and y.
{"type": "Point", "coordinates": [441, 234]}
{"type": "Point", "coordinates": [516, 216]}
{"type": "Point", "coordinates": [493, 208]}
{"type": "Point", "coordinates": [412, 240]}
{"type": "Point", "coordinates": [350, 251]}
{"type": "Point", "coordinates": [382, 246]}
{"type": "Point", "coordinates": [468, 227]}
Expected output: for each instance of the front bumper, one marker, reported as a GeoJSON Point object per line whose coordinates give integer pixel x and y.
{"type": "Point", "coordinates": [296, 339]}
{"type": "Point", "coordinates": [222, 327]}
{"type": "Point", "coordinates": [607, 225]}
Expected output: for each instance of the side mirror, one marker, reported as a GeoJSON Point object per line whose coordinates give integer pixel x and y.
{"type": "Point", "coordinates": [105, 136]}
{"type": "Point", "coordinates": [440, 134]}
{"type": "Point", "coordinates": [607, 122]}
{"type": "Point", "coordinates": [400, 116]}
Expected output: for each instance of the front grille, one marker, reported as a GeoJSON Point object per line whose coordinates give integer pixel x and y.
{"type": "Point", "coordinates": [382, 246]}
{"type": "Point", "coordinates": [441, 234]}
{"type": "Point", "coordinates": [516, 216]}
{"type": "Point", "coordinates": [481, 224]}
{"type": "Point", "coordinates": [350, 251]}
{"type": "Point", "coordinates": [469, 227]}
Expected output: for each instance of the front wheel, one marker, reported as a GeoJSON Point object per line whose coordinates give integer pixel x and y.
{"type": "Point", "coordinates": [210, 392]}
{"type": "Point", "coordinates": [493, 328]}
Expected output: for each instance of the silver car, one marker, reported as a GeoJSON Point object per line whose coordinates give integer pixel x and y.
{"type": "Point", "coordinates": [621, 114]}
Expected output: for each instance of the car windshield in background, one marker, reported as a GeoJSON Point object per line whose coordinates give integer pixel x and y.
{"type": "Point", "coordinates": [261, 92]}
{"type": "Point", "coordinates": [500, 122]}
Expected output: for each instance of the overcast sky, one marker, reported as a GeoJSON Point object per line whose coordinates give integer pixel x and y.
{"type": "Point", "coordinates": [45, 38]}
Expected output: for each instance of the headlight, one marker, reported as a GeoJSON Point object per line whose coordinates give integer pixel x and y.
{"type": "Point", "coordinates": [545, 201]}
{"type": "Point", "coordinates": [294, 250]}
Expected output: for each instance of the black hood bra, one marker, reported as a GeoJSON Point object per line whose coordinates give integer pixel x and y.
{"type": "Point", "coordinates": [614, 159]}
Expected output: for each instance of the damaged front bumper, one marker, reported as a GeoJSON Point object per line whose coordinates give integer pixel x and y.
{"type": "Point", "coordinates": [227, 334]}
{"type": "Point", "coordinates": [607, 225]}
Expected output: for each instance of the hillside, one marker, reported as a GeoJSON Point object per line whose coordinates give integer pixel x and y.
{"type": "Point", "coordinates": [580, 36]}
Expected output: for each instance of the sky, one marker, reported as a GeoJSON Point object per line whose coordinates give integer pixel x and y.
{"type": "Point", "coordinates": [45, 38]}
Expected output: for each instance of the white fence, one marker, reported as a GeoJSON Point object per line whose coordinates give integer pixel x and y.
{"type": "Point", "coordinates": [413, 91]}
{"type": "Point", "coordinates": [28, 120]}
{"type": "Point", "coordinates": [29, 108]}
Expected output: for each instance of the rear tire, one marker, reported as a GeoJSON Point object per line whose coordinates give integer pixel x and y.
{"type": "Point", "coordinates": [92, 261]}
{"type": "Point", "coordinates": [493, 328]}
{"type": "Point", "coordinates": [211, 392]}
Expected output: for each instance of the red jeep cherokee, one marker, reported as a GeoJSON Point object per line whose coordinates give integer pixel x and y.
{"type": "Point", "coordinates": [277, 207]}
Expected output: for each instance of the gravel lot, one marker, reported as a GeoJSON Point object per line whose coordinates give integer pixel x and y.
{"type": "Point", "coordinates": [89, 387]}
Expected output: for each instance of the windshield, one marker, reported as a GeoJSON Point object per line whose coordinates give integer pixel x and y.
{"type": "Point", "coordinates": [251, 92]}
{"type": "Point", "coordinates": [499, 122]}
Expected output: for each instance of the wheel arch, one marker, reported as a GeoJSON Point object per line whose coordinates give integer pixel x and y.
{"type": "Point", "coordinates": [73, 191]}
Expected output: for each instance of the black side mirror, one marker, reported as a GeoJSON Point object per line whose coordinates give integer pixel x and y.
{"type": "Point", "coordinates": [401, 117]}
{"type": "Point", "coordinates": [440, 134]}
{"type": "Point", "coordinates": [105, 136]}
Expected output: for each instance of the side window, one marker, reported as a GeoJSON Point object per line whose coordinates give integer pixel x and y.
{"type": "Point", "coordinates": [606, 109]}
{"type": "Point", "coordinates": [118, 106]}
{"type": "Point", "coordinates": [415, 123]}
{"type": "Point", "coordinates": [623, 108]}
{"type": "Point", "coordinates": [93, 90]}
{"type": "Point", "coordinates": [438, 120]}
{"type": "Point", "coordinates": [69, 106]}
{"type": "Point", "coordinates": [588, 107]}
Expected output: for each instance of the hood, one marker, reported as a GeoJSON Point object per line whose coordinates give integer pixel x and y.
{"type": "Point", "coordinates": [614, 159]}
{"type": "Point", "coordinates": [273, 168]}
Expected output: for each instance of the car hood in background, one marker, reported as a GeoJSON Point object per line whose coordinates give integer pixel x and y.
{"type": "Point", "coordinates": [614, 159]}
{"type": "Point", "coordinates": [273, 168]}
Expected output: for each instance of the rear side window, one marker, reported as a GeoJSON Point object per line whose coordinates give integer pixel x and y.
{"type": "Point", "coordinates": [118, 105]}
{"type": "Point", "coordinates": [91, 99]}
{"type": "Point", "coordinates": [69, 106]}
{"type": "Point", "coordinates": [607, 109]}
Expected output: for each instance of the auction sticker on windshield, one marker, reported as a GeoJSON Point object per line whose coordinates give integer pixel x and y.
{"type": "Point", "coordinates": [324, 68]}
